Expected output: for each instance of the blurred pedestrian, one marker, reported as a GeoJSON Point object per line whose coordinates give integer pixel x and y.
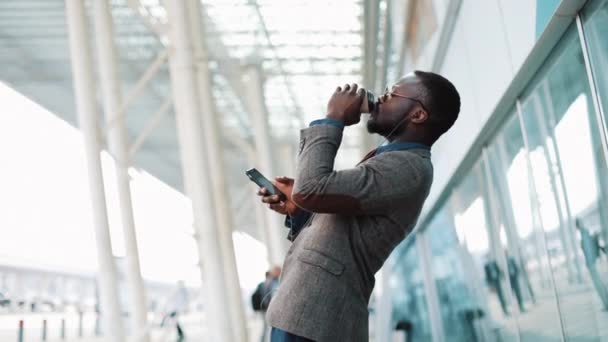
{"type": "Point", "coordinates": [176, 305]}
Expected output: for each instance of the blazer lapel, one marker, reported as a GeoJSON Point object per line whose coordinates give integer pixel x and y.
{"type": "Point", "coordinates": [367, 156]}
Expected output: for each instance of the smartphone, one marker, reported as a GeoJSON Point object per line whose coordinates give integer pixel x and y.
{"type": "Point", "coordinates": [258, 178]}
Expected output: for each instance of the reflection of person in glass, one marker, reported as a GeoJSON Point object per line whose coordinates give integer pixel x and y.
{"type": "Point", "coordinates": [590, 244]}
{"type": "Point", "coordinates": [514, 279]}
{"type": "Point", "coordinates": [494, 276]}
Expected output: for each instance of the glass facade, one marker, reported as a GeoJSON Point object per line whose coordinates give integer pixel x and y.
{"type": "Point", "coordinates": [521, 241]}
{"type": "Point", "coordinates": [595, 20]}
{"type": "Point", "coordinates": [410, 307]}
{"type": "Point", "coordinates": [519, 245]}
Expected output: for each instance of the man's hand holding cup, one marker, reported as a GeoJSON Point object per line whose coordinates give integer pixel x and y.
{"type": "Point", "coordinates": [345, 104]}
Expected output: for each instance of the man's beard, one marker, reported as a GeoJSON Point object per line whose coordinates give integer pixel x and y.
{"type": "Point", "coordinates": [375, 127]}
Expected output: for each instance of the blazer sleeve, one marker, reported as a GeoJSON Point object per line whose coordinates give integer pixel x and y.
{"type": "Point", "coordinates": [371, 187]}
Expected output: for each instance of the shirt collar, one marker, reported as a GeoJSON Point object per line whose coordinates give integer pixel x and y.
{"type": "Point", "coordinates": [401, 146]}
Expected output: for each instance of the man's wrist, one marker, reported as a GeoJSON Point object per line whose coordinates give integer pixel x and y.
{"type": "Point", "coordinates": [328, 121]}
{"type": "Point", "coordinates": [336, 117]}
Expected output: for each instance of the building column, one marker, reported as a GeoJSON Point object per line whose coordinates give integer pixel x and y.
{"type": "Point", "coordinates": [119, 149]}
{"type": "Point", "coordinates": [84, 83]}
{"type": "Point", "coordinates": [266, 152]}
{"type": "Point", "coordinates": [219, 189]}
{"type": "Point", "coordinates": [195, 170]}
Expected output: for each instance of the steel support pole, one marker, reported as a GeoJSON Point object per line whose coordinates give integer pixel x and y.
{"type": "Point", "coordinates": [119, 148]}
{"type": "Point", "coordinates": [84, 83]}
{"type": "Point", "coordinates": [194, 168]}
{"type": "Point", "coordinates": [265, 151]}
{"type": "Point", "coordinates": [217, 172]}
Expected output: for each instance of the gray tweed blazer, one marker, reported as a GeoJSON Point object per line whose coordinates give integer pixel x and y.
{"type": "Point", "coordinates": [360, 215]}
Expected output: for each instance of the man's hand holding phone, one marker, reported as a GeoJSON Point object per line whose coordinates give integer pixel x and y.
{"type": "Point", "coordinates": [283, 206]}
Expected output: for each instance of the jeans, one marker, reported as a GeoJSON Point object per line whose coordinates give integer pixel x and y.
{"type": "Point", "coordinates": [278, 335]}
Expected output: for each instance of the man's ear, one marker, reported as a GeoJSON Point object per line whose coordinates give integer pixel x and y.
{"type": "Point", "coordinates": [419, 116]}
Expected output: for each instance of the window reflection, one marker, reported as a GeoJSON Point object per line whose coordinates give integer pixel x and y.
{"type": "Point", "coordinates": [409, 300]}
{"type": "Point", "coordinates": [596, 30]}
{"type": "Point", "coordinates": [579, 177]}
{"type": "Point", "coordinates": [566, 159]}
{"type": "Point", "coordinates": [456, 281]}
{"type": "Point", "coordinates": [470, 282]}
{"type": "Point", "coordinates": [526, 259]}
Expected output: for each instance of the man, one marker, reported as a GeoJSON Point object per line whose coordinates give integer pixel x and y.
{"type": "Point", "coordinates": [256, 303]}
{"type": "Point", "coordinates": [176, 305]}
{"type": "Point", "coordinates": [258, 294]}
{"type": "Point", "coordinates": [271, 286]}
{"type": "Point", "coordinates": [263, 295]}
{"type": "Point", "coordinates": [344, 224]}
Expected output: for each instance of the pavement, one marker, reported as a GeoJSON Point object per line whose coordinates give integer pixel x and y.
{"type": "Point", "coordinates": [194, 326]}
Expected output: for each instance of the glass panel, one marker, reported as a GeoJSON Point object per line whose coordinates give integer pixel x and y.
{"type": "Point", "coordinates": [596, 30]}
{"type": "Point", "coordinates": [407, 289]}
{"type": "Point", "coordinates": [476, 251]}
{"type": "Point", "coordinates": [458, 280]}
{"type": "Point", "coordinates": [521, 235]}
{"type": "Point", "coordinates": [565, 154]}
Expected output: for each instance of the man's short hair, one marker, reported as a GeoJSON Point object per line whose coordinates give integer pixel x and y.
{"type": "Point", "coordinates": [441, 99]}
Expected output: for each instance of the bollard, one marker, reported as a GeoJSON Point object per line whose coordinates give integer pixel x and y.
{"type": "Point", "coordinates": [63, 328]}
{"type": "Point", "coordinates": [44, 329]}
{"type": "Point", "coordinates": [79, 323]}
{"type": "Point", "coordinates": [20, 333]}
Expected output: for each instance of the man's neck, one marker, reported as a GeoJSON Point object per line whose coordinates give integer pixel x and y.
{"type": "Point", "coordinates": [413, 137]}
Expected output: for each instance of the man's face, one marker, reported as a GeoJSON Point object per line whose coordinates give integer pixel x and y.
{"type": "Point", "coordinates": [394, 111]}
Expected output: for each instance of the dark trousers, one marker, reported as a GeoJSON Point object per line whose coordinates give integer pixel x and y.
{"type": "Point", "coordinates": [501, 297]}
{"type": "Point", "coordinates": [517, 291]}
{"type": "Point", "coordinates": [278, 335]}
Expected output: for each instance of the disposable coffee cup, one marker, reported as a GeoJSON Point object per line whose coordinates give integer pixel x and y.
{"type": "Point", "coordinates": [369, 103]}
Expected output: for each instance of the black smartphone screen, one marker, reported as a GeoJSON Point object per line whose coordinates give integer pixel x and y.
{"type": "Point", "coordinates": [263, 182]}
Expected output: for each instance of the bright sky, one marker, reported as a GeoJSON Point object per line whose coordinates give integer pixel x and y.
{"type": "Point", "coordinates": [46, 218]}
